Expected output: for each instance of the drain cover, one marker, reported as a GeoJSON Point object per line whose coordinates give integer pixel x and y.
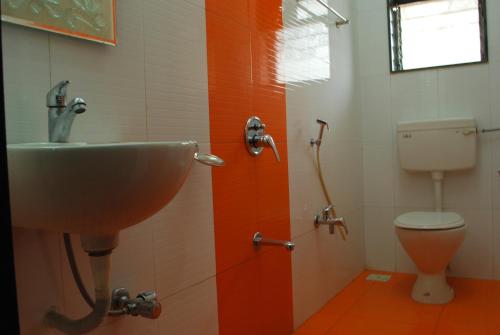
{"type": "Point", "coordinates": [378, 277]}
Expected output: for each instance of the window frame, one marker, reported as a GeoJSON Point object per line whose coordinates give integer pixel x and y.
{"type": "Point", "coordinates": [391, 25]}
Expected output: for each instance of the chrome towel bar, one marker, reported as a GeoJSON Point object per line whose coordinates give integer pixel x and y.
{"type": "Point", "coordinates": [342, 19]}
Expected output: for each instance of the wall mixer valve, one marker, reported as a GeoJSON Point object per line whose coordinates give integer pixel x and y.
{"type": "Point", "coordinates": [327, 217]}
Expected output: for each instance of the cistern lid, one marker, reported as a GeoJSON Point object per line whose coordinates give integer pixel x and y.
{"type": "Point", "coordinates": [429, 220]}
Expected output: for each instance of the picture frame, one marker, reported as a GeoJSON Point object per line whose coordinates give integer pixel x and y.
{"type": "Point", "coordinates": [92, 20]}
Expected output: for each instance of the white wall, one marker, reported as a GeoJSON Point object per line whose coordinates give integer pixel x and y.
{"type": "Point", "coordinates": [322, 263]}
{"type": "Point", "coordinates": [449, 92]}
{"type": "Point", "coordinates": [153, 86]}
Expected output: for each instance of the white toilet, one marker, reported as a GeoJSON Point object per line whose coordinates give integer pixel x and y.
{"type": "Point", "coordinates": [431, 239]}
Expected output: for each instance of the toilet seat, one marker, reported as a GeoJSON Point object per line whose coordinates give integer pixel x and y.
{"type": "Point", "coordinates": [429, 220]}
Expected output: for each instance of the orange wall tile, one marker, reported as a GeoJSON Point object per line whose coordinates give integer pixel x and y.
{"type": "Point", "coordinates": [250, 194]}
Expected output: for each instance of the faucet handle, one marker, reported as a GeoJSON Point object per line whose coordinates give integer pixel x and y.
{"type": "Point", "coordinates": [342, 227]}
{"type": "Point", "coordinates": [56, 97]}
{"type": "Point", "coordinates": [269, 141]}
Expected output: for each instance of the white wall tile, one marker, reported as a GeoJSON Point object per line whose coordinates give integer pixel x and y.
{"type": "Point", "coordinates": [127, 325]}
{"type": "Point", "coordinates": [322, 264]}
{"type": "Point", "coordinates": [26, 83]}
{"type": "Point", "coordinates": [306, 197]}
{"type": "Point", "coordinates": [494, 139]}
{"type": "Point", "coordinates": [184, 247]}
{"type": "Point", "coordinates": [378, 181]}
{"type": "Point", "coordinates": [191, 311]}
{"type": "Point", "coordinates": [38, 278]}
{"type": "Point", "coordinates": [496, 244]}
{"type": "Point", "coordinates": [376, 109]}
{"type": "Point", "coordinates": [380, 238]}
{"type": "Point", "coordinates": [493, 7]}
{"type": "Point", "coordinates": [494, 95]}
{"type": "Point", "coordinates": [176, 71]}
{"type": "Point", "coordinates": [342, 165]}
{"type": "Point", "coordinates": [414, 96]}
{"type": "Point", "coordinates": [372, 42]}
{"type": "Point", "coordinates": [363, 5]}
{"type": "Point", "coordinates": [471, 188]}
{"type": "Point", "coordinates": [474, 259]}
{"type": "Point", "coordinates": [464, 91]}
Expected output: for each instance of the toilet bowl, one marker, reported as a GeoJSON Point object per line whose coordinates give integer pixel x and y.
{"type": "Point", "coordinates": [431, 239]}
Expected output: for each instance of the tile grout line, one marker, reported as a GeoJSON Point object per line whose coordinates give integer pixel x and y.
{"type": "Point", "coordinates": [187, 287]}
{"type": "Point", "coordinates": [351, 305]}
{"type": "Point", "coordinates": [434, 332]}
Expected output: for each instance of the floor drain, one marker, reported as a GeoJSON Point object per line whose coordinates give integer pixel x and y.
{"type": "Point", "coordinates": [378, 277]}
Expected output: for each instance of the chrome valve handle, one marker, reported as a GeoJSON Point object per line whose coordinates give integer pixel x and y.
{"type": "Point", "coordinates": [145, 304]}
{"type": "Point", "coordinates": [256, 140]}
{"type": "Point", "coordinates": [266, 141]}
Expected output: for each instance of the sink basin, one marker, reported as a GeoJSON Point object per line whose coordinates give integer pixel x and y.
{"type": "Point", "coordinates": [94, 188]}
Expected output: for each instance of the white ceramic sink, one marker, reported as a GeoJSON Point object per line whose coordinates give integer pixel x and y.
{"type": "Point", "coordinates": [94, 188]}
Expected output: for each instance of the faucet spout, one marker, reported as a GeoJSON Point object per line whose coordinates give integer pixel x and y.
{"type": "Point", "coordinates": [61, 125]}
{"type": "Point", "coordinates": [61, 116]}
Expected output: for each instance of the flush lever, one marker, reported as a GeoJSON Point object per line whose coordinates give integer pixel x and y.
{"type": "Point", "coordinates": [256, 140]}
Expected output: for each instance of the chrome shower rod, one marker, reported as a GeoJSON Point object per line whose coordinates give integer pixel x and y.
{"type": "Point", "coordinates": [342, 19]}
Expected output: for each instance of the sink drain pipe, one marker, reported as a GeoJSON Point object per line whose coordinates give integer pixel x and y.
{"type": "Point", "coordinates": [70, 255]}
{"type": "Point", "coordinates": [99, 250]}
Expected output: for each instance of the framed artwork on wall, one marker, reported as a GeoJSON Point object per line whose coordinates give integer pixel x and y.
{"type": "Point", "coordinates": [93, 20]}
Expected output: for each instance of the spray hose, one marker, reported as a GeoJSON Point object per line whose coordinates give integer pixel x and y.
{"type": "Point", "coordinates": [342, 229]}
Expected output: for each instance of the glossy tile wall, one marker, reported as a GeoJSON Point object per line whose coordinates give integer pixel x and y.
{"type": "Point", "coordinates": [322, 263]}
{"type": "Point", "coordinates": [429, 94]}
{"type": "Point", "coordinates": [254, 286]}
{"type": "Point", "coordinates": [153, 86]}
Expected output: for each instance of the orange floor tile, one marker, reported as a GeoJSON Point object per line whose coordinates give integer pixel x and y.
{"type": "Point", "coordinates": [372, 308]}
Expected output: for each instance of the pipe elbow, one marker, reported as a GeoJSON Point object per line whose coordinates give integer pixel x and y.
{"type": "Point", "coordinates": [100, 270]}
{"type": "Point", "coordinates": [80, 326]}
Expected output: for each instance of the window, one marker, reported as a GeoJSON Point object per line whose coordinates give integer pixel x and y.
{"type": "Point", "coordinates": [434, 33]}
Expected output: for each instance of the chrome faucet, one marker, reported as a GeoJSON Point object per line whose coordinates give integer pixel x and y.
{"type": "Point", "coordinates": [61, 115]}
{"type": "Point", "coordinates": [328, 217]}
